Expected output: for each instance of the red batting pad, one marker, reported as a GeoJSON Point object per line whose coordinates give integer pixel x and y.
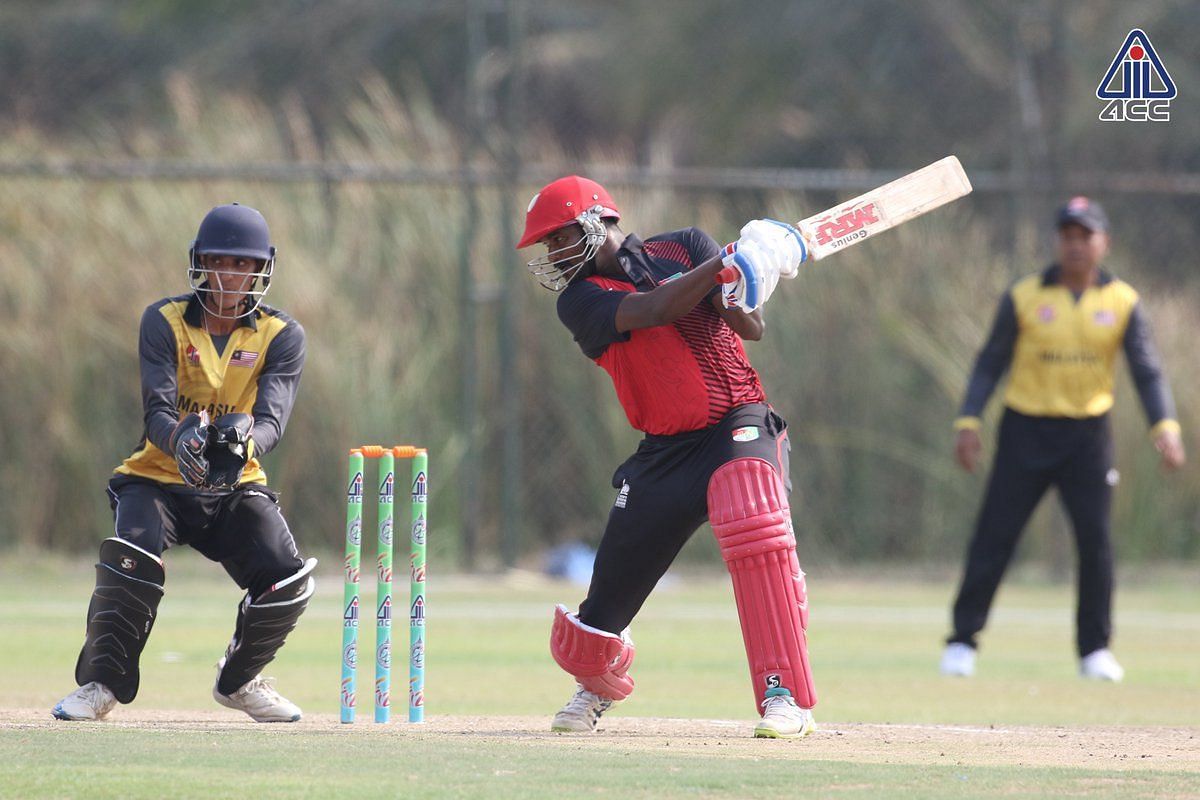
{"type": "Point", "coordinates": [748, 509]}
{"type": "Point", "coordinates": [598, 660]}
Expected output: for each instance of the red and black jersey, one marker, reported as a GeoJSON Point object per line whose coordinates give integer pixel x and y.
{"type": "Point", "coordinates": [672, 378]}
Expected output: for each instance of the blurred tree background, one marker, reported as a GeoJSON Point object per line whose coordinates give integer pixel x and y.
{"type": "Point", "coordinates": [393, 144]}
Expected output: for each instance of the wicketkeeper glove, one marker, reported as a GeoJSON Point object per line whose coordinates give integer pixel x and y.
{"type": "Point", "coordinates": [187, 444]}
{"type": "Point", "coordinates": [228, 450]}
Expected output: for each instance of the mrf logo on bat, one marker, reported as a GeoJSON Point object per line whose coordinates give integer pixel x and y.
{"type": "Point", "coordinates": [847, 224]}
{"type": "Point", "coordinates": [1137, 86]}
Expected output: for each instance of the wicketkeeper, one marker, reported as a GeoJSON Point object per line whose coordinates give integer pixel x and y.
{"type": "Point", "coordinates": [219, 376]}
{"type": "Point", "coordinates": [650, 313]}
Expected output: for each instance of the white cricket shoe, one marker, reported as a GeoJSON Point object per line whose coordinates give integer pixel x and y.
{"type": "Point", "coordinates": [958, 659]}
{"type": "Point", "coordinates": [581, 713]}
{"type": "Point", "coordinates": [1101, 665]}
{"type": "Point", "coordinates": [258, 699]}
{"type": "Point", "coordinates": [783, 719]}
{"type": "Point", "coordinates": [90, 701]}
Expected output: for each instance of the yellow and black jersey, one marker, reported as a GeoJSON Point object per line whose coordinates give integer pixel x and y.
{"type": "Point", "coordinates": [254, 370]}
{"type": "Point", "coordinates": [1062, 348]}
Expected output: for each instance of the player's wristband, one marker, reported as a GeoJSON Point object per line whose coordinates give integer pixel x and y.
{"type": "Point", "coordinates": [967, 424]}
{"type": "Point", "coordinates": [1164, 425]}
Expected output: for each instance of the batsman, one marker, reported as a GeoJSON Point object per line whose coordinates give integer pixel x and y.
{"type": "Point", "coordinates": [652, 315]}
{"type": "Point", "coordinates": [219, 374]}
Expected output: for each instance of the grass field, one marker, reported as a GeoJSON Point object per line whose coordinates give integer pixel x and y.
{"type": "Point", "coordinates": [890, 726]}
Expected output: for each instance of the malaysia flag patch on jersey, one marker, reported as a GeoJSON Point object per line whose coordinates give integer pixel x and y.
{"type": "Point", "coordinates": [243, 358]}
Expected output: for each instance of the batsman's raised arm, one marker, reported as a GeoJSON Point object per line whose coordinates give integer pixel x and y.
{"type": "Point", "coordinates": [669, 301]}
{"type": "Point", "coordinates": [666, 302]}
{"type": "Point", "coordinates": [766, 251]}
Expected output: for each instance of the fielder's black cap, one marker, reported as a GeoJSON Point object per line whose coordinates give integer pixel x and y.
{"type": "Point", "coordinates": [1083, 211]}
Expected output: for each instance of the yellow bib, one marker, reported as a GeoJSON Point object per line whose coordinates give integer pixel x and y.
{"type": "Point", "coordinates": [1064, 356]}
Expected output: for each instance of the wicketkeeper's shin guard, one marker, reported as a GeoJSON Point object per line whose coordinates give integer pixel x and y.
{"type": "Point", "coordinates": [262, 626]}
{"type": "Point", "coordinates": [597, 659]}
{"type": "Point", "coordinates": [748, 510]}
{"type": "Point", "coordinates": [129, 586]}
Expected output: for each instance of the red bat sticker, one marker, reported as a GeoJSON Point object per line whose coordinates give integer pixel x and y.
{"type": "Point", "coordinates": [846, 223]}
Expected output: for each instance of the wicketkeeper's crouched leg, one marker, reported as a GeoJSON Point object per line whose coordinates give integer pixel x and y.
{"type": "Point", "coordinates": [129, 587]}
{"type": "Point", "coordinates": [263, 624]}
{"type": "Point", "coordinates": [750, 516]}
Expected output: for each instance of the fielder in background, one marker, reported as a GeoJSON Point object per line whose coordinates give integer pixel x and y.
{"type": "Point", "coordinates": [214, 353]}
{"type": "Point", "coordinates": [650, 314]}
{"type": "Point", "coordinates": [1059, 331]}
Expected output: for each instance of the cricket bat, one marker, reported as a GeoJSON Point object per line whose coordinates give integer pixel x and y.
{"type": "Point", "coordinates": [875, 211]}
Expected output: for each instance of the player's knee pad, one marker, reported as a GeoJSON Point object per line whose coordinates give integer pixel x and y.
{"type": "Point", "coordinates": [129, 586]}
{"type": "Point", "coordinates": [263, 625]}
{"type": "Point", "coordinates": [597, 659]}
{"type": "Point", "coordinates": [749, 513]}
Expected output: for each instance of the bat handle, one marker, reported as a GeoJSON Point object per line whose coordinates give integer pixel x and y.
{"type": "Point", "coordinates": [728, 275]}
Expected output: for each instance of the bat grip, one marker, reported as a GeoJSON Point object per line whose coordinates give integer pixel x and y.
{"type": "Point", "coordinates": [728, 275]}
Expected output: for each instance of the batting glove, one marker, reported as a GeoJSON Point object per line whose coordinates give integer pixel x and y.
{"type": "Point", "coordinates": [782, 241]}
{"type": "Point", "coordinates": [757, 275]}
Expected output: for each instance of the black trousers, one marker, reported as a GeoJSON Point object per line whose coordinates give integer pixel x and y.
{"type": "Point", "coordinates": [1032, 454]}
{"type": "Point", "coordinates": [243, 529]}
{"type": "Point", "coordinates": [663, 499]}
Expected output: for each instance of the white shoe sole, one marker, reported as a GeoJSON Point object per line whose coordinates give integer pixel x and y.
{"type": "Point", "coordinates": [59, 713]}
{"type": "Point", "coordinates": [767, 732]}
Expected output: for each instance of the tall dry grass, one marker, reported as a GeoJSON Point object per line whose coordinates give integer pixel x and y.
{"type": "Point", "coordinates": [866, 354]}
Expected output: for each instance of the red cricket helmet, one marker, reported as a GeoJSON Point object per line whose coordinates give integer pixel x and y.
{"type": "Point", "coordinates": [561, 202]}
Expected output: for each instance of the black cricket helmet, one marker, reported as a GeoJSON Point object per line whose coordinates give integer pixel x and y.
{"type": "Point", "coordinates": [232, 230]}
